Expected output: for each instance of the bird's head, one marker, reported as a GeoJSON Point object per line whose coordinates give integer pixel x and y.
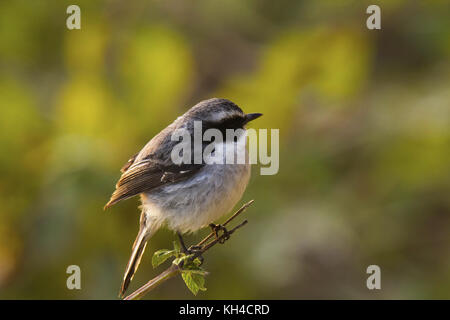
{"type": "Point", "coordinates": [220, 114]}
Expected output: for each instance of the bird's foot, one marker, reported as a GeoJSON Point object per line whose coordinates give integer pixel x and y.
{"type": "Point", "coordinates": [184, 249]}
{"type": "Point", "coordinates": [197, 250]}
{"type": "Point", "coordinates": [218, 227]}
{"type": "Point", "coordinates": [191, 249]}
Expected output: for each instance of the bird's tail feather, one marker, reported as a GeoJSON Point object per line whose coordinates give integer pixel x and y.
{"type": "Point", "coordinates": [138, 249]}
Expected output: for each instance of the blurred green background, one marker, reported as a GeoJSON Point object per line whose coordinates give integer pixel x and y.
{"type": "Point", "coordinates": [364, 142]}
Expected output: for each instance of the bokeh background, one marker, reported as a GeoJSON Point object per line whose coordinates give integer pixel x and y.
{"type": "Point", "coordinates": [364, 142]}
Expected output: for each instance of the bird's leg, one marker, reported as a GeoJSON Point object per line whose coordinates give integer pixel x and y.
{"type": "Point", "coordinates": [191, 250]}
{"type": "Point", "coordinates": [216, 228]}
{"type": "Point", "coordinates": [183, 246]}
{"type": "Point", "coordinates": [194, 249]}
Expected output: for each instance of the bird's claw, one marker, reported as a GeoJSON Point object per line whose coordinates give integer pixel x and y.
{"type": "Point", "coordinates": [218, 227]}
{"type": "Point", "coordinates": [196, 250]}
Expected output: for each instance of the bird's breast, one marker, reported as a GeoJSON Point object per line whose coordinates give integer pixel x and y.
{"type": "Point", "coordinates": [191, 204]}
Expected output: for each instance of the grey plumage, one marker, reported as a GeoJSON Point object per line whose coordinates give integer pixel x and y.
{"type": "Point", "coordinates": [186, 197]}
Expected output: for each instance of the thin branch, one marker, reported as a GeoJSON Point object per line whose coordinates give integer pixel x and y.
{"type": "Point", "coordinates": [202, 247]}
{"type": "Point", "coordinates": [242, 209]}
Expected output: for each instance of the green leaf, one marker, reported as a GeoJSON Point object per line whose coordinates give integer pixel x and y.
{"type": "Point", "coordinates": [160, 256]}
{"type": "Point", "coordinates": [197, 262]}
{"type": "Point", "coordinates": [181, 257]}
{"type": "Point", "coordinates": [199, 280]}
{"type": "Point", "coordinates": [176, 247]}
{"type": "Point", "coordinates": [193, 281]}
{"type": "Point", "coordinates": [199, 271]}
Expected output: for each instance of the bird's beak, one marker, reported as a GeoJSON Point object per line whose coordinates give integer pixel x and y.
{"type": "Point", "coordinates": [252, 116]}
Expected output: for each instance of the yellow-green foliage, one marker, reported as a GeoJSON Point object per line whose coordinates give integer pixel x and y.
{"type": "Point", "coordinates": [364, 121]}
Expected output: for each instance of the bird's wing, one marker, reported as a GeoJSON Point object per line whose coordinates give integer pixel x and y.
{"type": "Point", "coordinates": [146, 175]}
{"type": "Point", "coordinates": [129, 163]}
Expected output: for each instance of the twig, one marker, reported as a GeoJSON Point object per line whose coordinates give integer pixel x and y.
{"type": "Point", "coordinates": [174, 269]}
{"type": "Point", "coordinates": [242, 209]}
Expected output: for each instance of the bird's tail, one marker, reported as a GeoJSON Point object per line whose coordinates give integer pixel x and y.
{"type": "Point", "coordinates": [145, 232]}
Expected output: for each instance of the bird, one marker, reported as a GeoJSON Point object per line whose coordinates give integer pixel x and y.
{"type": "Point", "coordinates": [189, 195]}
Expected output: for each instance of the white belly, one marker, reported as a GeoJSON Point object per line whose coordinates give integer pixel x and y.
{"type": "Point", "coordinates": [196, 202]}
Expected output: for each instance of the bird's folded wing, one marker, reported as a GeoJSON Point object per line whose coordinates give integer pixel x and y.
{"type": "Point", "coordinates": [146, 175]}
{"type": "Point", "coordinates": [129, 163]}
